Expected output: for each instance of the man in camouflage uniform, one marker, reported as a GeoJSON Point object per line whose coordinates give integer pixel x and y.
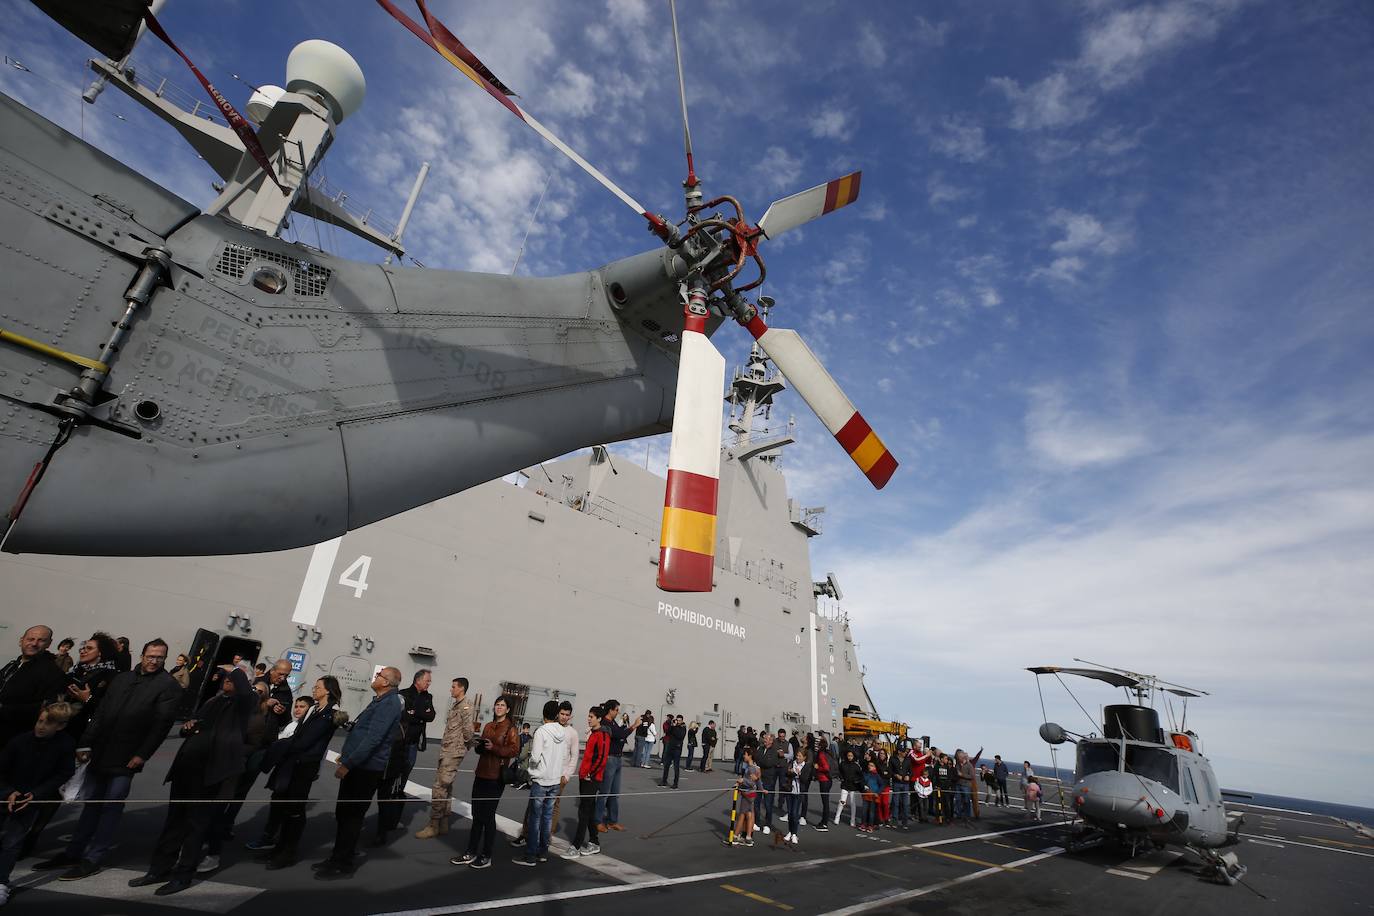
{"type": "Point", "coordinates": [459, 735]}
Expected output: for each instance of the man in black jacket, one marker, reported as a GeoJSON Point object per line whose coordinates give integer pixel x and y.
{"type": "Point", "coordinates": [674, 733]}
{"type": "Point", "coordinates": [127, 730]}
{"type": "Point", "coordinates": [771, 758]}
{"type": "Point", "coordinates": [709, 739]}
{"type": "Point", "coordinates": [417, 711]}
{"type": "Point", "coordinates": [28, 682]}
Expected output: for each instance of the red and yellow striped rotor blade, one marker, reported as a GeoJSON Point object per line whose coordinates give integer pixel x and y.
{"type": "Point", "coordinates": [823, 395]}
{"type": "Point", "coordinates": [791, 212]}
{"type": "Point", "coordinates": [687, 542]}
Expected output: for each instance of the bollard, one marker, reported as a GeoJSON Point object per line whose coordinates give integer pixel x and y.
{"type": "Point", "coordinates": [734, 810]}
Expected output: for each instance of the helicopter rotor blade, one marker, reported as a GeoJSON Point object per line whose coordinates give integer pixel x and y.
{"type": "Point", "coordinates": [691, 181]}
{"type": "Point", "coordinates": [687, 542]}
{"type": "Point", "coordinates": [805, 373]}
{"type": "Point", "coordinates": [804, 206]}
{"type": "Point", "coordinates": [447, 46]}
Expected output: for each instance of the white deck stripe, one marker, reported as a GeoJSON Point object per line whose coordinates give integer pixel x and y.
{"type": "Point", "coordinates": [531, 899]}
{"type": "Point", "coordinates": [112, 884]}
{"type": "Point", "coordinates": [1349, 852]}
{"type": "Point", "coordinates": [601, 863]}
{"type": "Point", "coordinates": [316, 581]}
{"type": "Point", "coordinates": [943, 885]}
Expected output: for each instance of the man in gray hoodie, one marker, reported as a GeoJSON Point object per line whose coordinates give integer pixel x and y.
{"type": "Point", "coordinates": [548, 752]}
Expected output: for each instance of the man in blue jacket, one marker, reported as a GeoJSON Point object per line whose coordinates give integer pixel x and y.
{"type": "Point", "coordinates": [361, 765]}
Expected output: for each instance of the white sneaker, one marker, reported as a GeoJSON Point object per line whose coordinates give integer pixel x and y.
{"type": "Point", "coordinates": [766, 830]}
{"type": "Point", "coordinates": [574, 853]}
{"type": "Point", "coordinates": [591, 849]}
{"type": "Point", "coordinates": [4, 894]}
{"type": "Point", "coordinates": [801, 821]}
{"type": "Point", "coordinates": [207, 864]}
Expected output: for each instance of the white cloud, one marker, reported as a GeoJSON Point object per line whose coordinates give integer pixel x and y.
{"type": "Point", "coordinates": [872, 49]}
{"type": "Point", "coordinates": [1054, 101]}
{"type": "Point", "coordinates": [572, 93]}
{"type": "Point", "coordinates": [1083, 233]}
{"type": "Point", "coordinates": [778, 169]}
{"type": "Point", "coordinates": [1070, 439]}
{"type": "Point", "coordinates": [960, 137]}
{"type": "Point", "coordinates": [1065, 270]}
{"type": "Point", "coordinates": [940, 192]}
{"type": "Point", "coordinates": [1116, 50]}
{"type": "Point", "coordinates": [1084, 236]}
{"type": "Point", "coordinates": [931, 34]}
{"type": "Point", "coordinates": [831, 124]}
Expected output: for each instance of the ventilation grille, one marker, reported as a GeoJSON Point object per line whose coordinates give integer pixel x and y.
{"type": "Point", "coordinates": [307, 280]}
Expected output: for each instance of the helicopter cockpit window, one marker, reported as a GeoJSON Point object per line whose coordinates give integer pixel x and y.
{"type": "Point", "coordinates": [1154, 763]}
{"type": "Point", "coordinates": [1189, 790]}
{"type": "Point", "coordinates": [1097, 758]}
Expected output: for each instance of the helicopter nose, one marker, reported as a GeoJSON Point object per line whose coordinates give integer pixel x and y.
{"type": "Point", "coordinates": [1121, 798]}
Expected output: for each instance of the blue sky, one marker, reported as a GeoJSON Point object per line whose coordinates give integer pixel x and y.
{"type": "Point", "coordinates": [1106, 295]}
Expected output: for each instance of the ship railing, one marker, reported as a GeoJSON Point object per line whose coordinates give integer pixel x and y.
{"type": "Point", "coordinates": [765, 574]}
{"type": "Point", "coordinates": [193, 103]}
{"type": "Point", "coordinates": [608, 510]}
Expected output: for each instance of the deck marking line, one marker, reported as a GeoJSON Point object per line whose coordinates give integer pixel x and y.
{"type": "Point", "coordinates": [753, 896]}
{"type": "Point", "coordinates": [112, 884]}
{"type": "Point", "coordinates": [316, 581]}
{"type": "Point", "coordinates": [950, 855]}
{"type": "Point", "coordinates": [1267, 843]}
{"type": "Point", "coordinates": [1337, 842]}
{"type": "Point", "coordinates": [1267, 808]}
{"type": "Point", "coordinates": [1348, 852]}
{"type": "Point", "coordinates": [606, 865]}
{"type": "Point", "coordinates": [529, 899]}
{"type": "Point", "coordinates": [880, 874]}
{"type": "Point", "coordinates": [1128, 874]}
{"type": "Point", "coordinates": [943, 885]}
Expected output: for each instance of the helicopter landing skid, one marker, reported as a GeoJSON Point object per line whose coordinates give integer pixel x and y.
{"type": "Point", "coordinates": [1085, 839]}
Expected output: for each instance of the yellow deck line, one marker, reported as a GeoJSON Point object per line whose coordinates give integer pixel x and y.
{"type": "Point", "coordinates": [753, 896]}
{"type": "Point", "coordinates": [971, 861]}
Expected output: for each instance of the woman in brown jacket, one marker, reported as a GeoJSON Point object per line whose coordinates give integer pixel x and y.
{"type": "Point", "coordinates": [500, 741]}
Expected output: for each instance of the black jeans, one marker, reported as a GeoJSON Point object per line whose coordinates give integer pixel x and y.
{"type": "Point", "coordinates": [706, 755]}
{"type": "Point", "coordinates": [672, 757]}
{"type": "Point", "coordinates": [355, 796]}
{"type": "Point", "coordinates": [188, 822]}
{"type": "Point", "coordinates": [823, 786]}
{"type": "Point", "coordinates": [391, 796]}
{"type": "Point", "coordinates": [586, 812]}
{"type": "Point", "coordinates": [486, 795]}
{"type": "Point", "coordinates": [286, 818]}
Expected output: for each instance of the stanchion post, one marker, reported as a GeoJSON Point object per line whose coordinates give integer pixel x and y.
{"type": "Point", "coordinates": [734, 808]}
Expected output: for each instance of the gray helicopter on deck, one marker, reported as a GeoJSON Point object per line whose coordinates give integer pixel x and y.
{"type": "Point", "coordinates": [179, 382]}
{"type": "Point", "coordinates": [1140, 784]}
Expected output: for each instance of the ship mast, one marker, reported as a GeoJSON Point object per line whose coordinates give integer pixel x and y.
{"type": "Point", "coordinates": [755, 385]}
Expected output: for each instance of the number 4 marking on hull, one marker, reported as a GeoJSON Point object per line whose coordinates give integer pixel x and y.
{"type": "Point", "coordinates": [360, 566]}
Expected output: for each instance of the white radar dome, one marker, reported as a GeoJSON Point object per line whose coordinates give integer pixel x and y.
{"type": "Point", "coordinates": [261, 101]}
{"type": "Point", "coordinates": [319, 68]}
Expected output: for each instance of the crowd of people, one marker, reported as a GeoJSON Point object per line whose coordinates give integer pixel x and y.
{"type": "Point", "coordinates": [880, 786]}
{"type": "Point", "coordinates": [82, 730]}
